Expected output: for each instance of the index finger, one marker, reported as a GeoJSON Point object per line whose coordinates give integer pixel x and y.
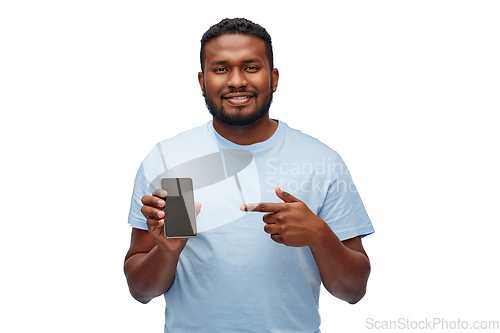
{"type": "Point", "coordinates": [269, 207]}
{"type": "Point", "coordinates": [159, 193]}
{"type": "Point", "coordinates": [155, 200]}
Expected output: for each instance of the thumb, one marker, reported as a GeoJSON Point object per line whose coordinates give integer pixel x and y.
{"type": "Point", "coordinates": [285, 196]}
{"type": "Point", "coordinates": [197, 207]}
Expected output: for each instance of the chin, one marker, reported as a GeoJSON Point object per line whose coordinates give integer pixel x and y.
{"type": "Point", "coordinates": [221, 115]}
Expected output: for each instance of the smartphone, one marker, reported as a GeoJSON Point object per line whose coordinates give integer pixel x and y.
{"type": "Point", "coordinates": [180, 217]}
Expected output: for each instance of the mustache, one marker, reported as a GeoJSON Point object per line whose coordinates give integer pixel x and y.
{"type": "Point", "coordinates": [240, 90]}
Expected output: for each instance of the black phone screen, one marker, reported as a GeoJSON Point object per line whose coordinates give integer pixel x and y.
{"type": "Point", "coordinates": [180, 221]}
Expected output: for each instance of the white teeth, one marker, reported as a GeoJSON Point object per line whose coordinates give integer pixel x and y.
{"type": "Point", "coordinates": [240, 97]}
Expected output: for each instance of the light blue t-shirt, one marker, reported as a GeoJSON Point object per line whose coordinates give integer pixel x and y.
{"type": "Point", "coordinates": [233, 277]}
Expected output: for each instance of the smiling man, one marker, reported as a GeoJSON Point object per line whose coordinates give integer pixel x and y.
{"type": "Point", "coordinates": [240, 79]}
{"type": "Point", "coordinates": [271, 232]}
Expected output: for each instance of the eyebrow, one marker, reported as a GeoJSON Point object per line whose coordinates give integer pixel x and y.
{"type": "Point", "coordinates": [252, 61]}
{"type": "Point", "coordinates": [223, 62]}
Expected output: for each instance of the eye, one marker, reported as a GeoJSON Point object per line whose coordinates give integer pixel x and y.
{"type": "Point", "coordinates": [220, 70]}
{"type": "Point", "coordinates": [252, 69]}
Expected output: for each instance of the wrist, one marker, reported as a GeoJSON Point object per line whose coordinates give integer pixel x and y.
{"type": "Point", "coordinates": [171, 247]}
{"type": "Point", "coordinates": [324, 236]}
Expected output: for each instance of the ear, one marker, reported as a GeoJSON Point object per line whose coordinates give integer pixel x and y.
{"type": "Point", "coordinates": [200, 80]}
{"type": "Point", "coordinates": [275, 75]}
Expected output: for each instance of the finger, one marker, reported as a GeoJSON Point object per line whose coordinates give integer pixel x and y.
{"type": "Point", "coordinates": [153, 201]}
{"type": "Point", "coordinates": [155, 223]}
{"type": "Point", "coordinates": [269, 207]}
{"type": "Point", "coordinates": [197, 207]}
{"type": "Point", "coordinates": [152, 213]}
{"type": "Point", "coordinates": [160, 193]}
{"type": "Point", "coordinates": [285, 196]}
{"type": "Point", "coordinates": [272, 218]}
{"type": "Point", "coordinates": [272, 229]}
{"type": "Point", "coordinates": [277, 238]}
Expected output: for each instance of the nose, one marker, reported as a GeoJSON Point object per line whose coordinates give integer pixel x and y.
{"type": "Point", "coordinates": [236, 79]}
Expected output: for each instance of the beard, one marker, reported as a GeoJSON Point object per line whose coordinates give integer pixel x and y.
{"type": "Point", "coordinates": [239, 118]}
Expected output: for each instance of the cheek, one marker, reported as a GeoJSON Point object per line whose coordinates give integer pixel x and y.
{"type": "Point", "coordinates": [263, 83]}
{"type": "Point", "coordinates": [213, 86]}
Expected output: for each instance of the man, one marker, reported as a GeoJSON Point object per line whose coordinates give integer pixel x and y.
{"type": "Point", "coordinates": [261, 253]}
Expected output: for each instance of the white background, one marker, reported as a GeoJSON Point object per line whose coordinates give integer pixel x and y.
{"type": "Point", "coordinates": [405, 91]}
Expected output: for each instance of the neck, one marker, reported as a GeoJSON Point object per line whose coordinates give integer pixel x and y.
{"type": "Point", "coordinates": [259, 131]}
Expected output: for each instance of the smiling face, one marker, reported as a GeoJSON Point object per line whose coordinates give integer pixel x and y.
{"type": "Point", "coordinates": [237, 81]}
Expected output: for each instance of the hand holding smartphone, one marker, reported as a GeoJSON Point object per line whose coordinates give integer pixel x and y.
{"type": "Point", "coordinates": [180, 217]}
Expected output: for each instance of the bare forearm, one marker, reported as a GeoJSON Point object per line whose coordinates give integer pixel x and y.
{"type": "Point", "coordinates": [150, 274]}
{"type": "Point", "coordinates": [344, 271]}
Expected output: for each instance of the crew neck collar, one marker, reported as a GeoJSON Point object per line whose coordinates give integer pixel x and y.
{"type": "Point", "coordinates": [226, 144]}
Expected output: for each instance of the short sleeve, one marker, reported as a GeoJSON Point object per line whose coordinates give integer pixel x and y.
{"type": "Point", "coordinates": [343, 209]}
{"type": "Point", "coordinates": [145, 183]}
{"type": "Point", "coordinates": [135, 217]}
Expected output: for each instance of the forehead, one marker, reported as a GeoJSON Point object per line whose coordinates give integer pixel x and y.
{"type": "Point", "coordinates": [235, 48]}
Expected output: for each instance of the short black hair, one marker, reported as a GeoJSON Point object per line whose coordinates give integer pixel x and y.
{"type": "Point", "coordinates": [233, 27]}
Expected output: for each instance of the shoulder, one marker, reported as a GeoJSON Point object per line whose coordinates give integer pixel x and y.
{"type": "Point", "coordinates": [178, 142]}
{"type": "Point", "coordinates": [307, 144]}
{"type": "Point", "coordinates": [187, 145]}
{"type": "Point", "coordinates": [193, 135]}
